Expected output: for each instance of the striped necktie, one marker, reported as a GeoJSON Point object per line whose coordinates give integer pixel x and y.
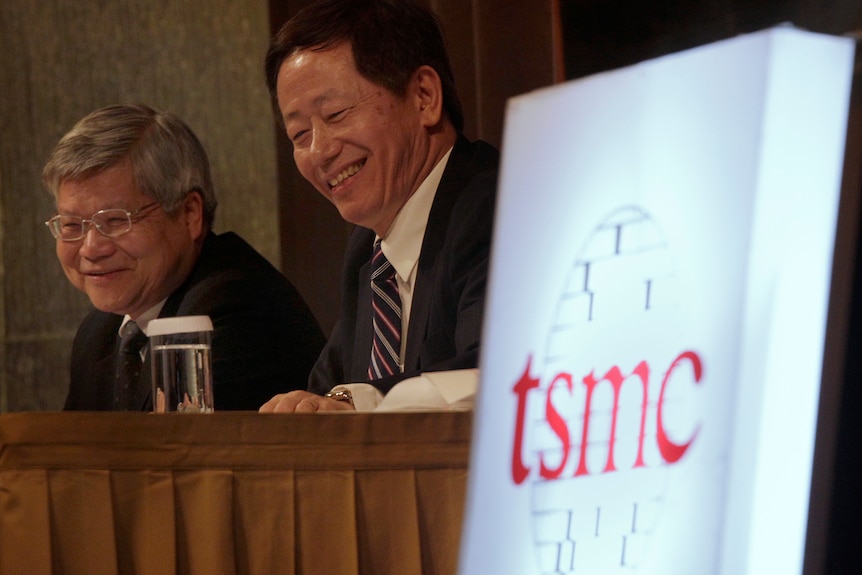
{"type": "Point", "coordinates": [129, 364]}
{"type": "Point", "coordinates": [386, 318]}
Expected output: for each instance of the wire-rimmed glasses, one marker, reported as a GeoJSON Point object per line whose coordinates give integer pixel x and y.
{"type": "Point", "coordinates": [112, 222]}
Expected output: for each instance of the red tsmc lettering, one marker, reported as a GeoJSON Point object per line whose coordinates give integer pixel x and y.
{"type": "Point", "coordinates": [524, 385]}
{"type": "Point", "coordinates": [671, 452]}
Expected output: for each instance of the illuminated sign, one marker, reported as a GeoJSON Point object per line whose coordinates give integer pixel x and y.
{"type": "Point", "coordinates": [656, 314]}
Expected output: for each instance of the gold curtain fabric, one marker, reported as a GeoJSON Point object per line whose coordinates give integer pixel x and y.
{"type": "Point", "coordinates": [232, 493]}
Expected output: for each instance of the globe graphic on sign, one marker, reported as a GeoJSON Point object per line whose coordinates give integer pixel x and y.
{"type": "Point", "coordinates": [599, 497]}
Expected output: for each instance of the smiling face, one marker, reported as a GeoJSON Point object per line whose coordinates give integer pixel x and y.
{"type": "Point", "coordinates": [130, 273]}
{"type": "Point", "coordinates": [361, 146]}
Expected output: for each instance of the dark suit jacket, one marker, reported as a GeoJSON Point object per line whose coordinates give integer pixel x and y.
{"type": "Point", "coordinates": [449, 294]}
{"type": "Point", "coordinates": [265, 339]}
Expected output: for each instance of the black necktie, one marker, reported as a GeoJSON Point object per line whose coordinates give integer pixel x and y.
{"type": "Point", "coordinates": [386, 309]}
{"type": "Point", "coordinates": [128, 373]}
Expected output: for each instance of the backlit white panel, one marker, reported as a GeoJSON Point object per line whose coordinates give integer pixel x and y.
{"type": "Point", "coordinates": [655, 322]}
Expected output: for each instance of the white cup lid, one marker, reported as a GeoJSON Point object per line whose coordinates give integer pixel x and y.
{"type": "Point", "coordinates": [180, 324]}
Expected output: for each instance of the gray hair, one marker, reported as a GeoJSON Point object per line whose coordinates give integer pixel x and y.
{"type": "Point", "coordinates": [167, 159]}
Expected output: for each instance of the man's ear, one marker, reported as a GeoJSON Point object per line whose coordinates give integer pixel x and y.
{"type": "Point", "coordinates": [427, 89]}
{"type": "Point", "coordinates": [193, 213]}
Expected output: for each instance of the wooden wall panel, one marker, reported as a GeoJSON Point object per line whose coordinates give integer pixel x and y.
{"type": "Point", "coordinates": [60, 60]}
{"type": "Point", "coordinates": [515, 43]}
{"type": "Point", "coordinates": [498, 50]}
{"type": "Point", "coordinates": [459, 28]}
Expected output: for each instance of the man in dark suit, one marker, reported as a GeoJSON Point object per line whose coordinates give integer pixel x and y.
{"type": "Point", "coordinates": [367, 97]}
{"type": "Point", "coordinates": [135, 205]}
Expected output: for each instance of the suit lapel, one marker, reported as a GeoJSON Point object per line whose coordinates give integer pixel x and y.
{"type": "Point", "coordinates": [103, 376]}
{"type": "Point", "coordinates": [362, 337]}
{"type": "Point", "coordinates": [438, 222]}
{"type": "Point", "coordinates": [100, 348]}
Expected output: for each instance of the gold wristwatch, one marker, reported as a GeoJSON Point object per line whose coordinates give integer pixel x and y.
{"type": "Point", "coordinates": [341, 395]}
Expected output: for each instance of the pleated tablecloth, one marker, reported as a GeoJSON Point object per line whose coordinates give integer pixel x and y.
{"type": "Point", "coordinates": [232, 493]}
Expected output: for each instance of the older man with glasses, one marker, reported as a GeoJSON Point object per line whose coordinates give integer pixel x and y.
{"type": "Point", "coordinates": [135, 209]}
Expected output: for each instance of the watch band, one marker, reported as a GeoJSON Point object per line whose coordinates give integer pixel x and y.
{"type": "Point", "coordinates": [341, 395]}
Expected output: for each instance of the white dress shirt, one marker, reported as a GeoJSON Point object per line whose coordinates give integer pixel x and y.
{"type": "Point", "coordinates": [402, 247]}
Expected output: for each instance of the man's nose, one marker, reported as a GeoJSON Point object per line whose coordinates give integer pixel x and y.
{"type": "Point", "coordinates": [324, 145]}
{"type": "Point", "coordinates": [95, 244]}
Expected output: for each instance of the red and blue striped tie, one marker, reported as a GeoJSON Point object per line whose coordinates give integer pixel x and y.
{"type": "Point", "coordinates": [386, 309]}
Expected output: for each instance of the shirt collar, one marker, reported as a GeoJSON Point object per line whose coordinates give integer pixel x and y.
{"type": "Point", "coordinates": [403, 242]}
{"type": "Point", "coordinates": [144, 319]}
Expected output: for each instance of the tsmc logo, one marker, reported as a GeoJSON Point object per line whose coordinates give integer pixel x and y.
{"type": "Point", "coordinates": [671, 451]}
{"type": "Point", "coordinates": [611, 405]}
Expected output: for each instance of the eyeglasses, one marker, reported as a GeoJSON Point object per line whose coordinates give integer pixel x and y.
{"type": "Point", "coordinates": [112, 223]}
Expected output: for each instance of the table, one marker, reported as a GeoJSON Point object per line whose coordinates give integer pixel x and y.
{"type": "Point", "coordinates": [232, 493]}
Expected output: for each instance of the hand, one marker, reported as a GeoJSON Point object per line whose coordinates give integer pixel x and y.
{"type": "Point", "coordinates": [303, 402]}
